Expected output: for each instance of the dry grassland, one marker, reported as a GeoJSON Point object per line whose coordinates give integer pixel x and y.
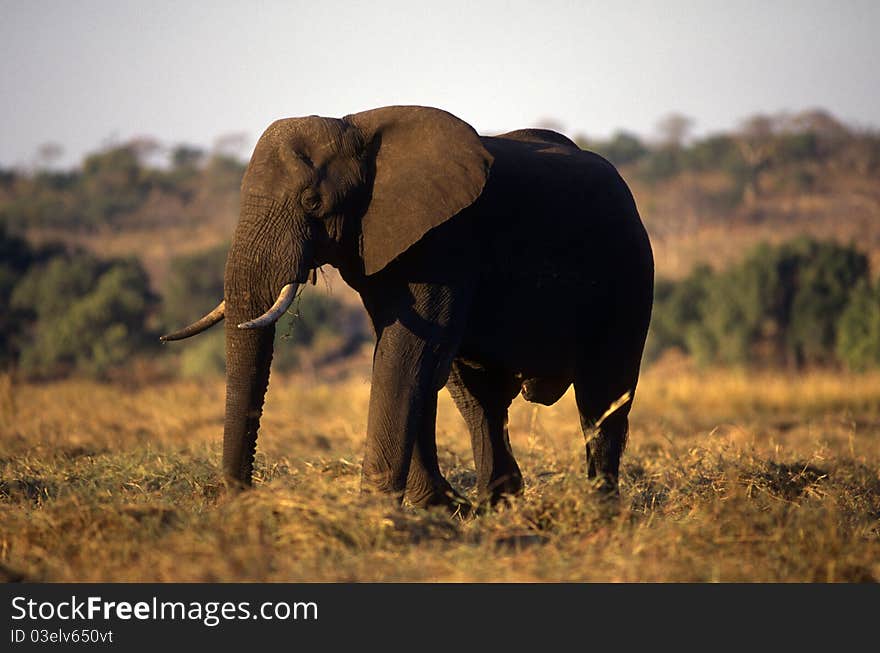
{"type": "Point", "coordinates": [727, 477]}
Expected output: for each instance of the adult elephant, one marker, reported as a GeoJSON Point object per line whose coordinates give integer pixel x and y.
{"type": "Point", "coordinates": [491, 265]}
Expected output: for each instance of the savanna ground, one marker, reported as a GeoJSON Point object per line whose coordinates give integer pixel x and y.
{"type": "Point", "coordinates": [728, 476]}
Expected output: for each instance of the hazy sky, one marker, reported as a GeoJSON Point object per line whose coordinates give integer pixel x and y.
{"type": "Point", "coordinates": [84, 73]}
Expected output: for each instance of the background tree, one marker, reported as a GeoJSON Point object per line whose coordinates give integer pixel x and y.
{"type": "Point", "coordinates": [755, 140]}
{"type": "Point", "coordinates": [666, 159]}
{"type": "Point", "coordinates": [782, 305]}
{"type": "Point", "coordinates": [86, 315]}
{"type": "Point", "coordinates": [858, 335]}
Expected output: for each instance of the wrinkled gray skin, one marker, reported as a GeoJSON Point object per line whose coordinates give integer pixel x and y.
{"type": "Point", "coordinates": [491, 265]}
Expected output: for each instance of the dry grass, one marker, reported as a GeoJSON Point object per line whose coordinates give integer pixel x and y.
{"type": "Point", "coordinates": [727, 477]}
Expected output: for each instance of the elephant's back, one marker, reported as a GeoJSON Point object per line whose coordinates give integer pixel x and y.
{"type": "Point", "coordinates": [544, 171]}
{"type": "Point", "coordinates": [550, 204]}
{"type": "Point", "coordinates": [532, 135]}
{"type": "Point", "coordinates": [563, 250]}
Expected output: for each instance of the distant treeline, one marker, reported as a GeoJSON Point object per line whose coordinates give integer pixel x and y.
{"type": "Point", "coordinates": [804, 303]}
{"type": "Point", "coordinates": [64, 311]}
{"type": "Point", "coordinates": [794, 144]}
{"type": "Point", "coordinates": [117, 187]}
{"type": "Point", "coordinates": [124, 186]}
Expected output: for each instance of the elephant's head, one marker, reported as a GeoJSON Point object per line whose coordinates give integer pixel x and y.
{"type": "Point", "coordinates": [355, 192]}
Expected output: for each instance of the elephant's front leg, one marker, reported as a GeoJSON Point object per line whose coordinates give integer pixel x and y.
{"type": "Point", "coordinates": [408, 371]}
{"type": "Point", "coordinates": [419, 328]}
{"type": "Point", "coordinates": [425, 485]}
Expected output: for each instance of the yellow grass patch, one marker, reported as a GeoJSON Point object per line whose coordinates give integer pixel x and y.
{"type": "Point", "coordinates": [728, 476]}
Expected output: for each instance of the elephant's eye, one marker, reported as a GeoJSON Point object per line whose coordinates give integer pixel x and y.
{"type": "Point", "coordinates": [310, 200]}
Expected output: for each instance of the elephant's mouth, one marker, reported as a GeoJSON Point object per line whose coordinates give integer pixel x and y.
{"type": "Point", "coordinates": [285, 299]}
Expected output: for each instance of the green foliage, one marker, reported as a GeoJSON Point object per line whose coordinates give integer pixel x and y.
{"type": "Point", "coordinates": [826, 277]}
{"type": "Point", "coordinates": [781, 305]}
{"type": "Point", "coordinates": [677, 311]}
{"type": "Point", "coordinates": [622, 149]}
{"type": "Point", "coordinates": [194, 286]}
{"type": "Point", "coordinates": [797, 146]}
{"type": "Point", "coordinates": [87, 315]}
{"type": "Point", "coordinates": [223, 172]}
{"type": "Point", "coordinates": [16, 257]}
{"type": "Point", "coordinates": [318, 327]}
{"type": "Point", "coordinates": [113, 184]}
{"type": "Point", "coordinates": [112, 188]}
{"type": "Point", "coordinates": [204, 355]}
{"type": "Point", "coordinates": [858, 335]}
{"type": "Point", "coordinates": [660, 164]}
{"type": "Point", "coordinates": [718, 152]}
{"type": "Point", "coordinates": [186, 156]}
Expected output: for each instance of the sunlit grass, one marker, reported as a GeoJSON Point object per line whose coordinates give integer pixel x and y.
{"type": "Point", "coordinates": [728, 476]}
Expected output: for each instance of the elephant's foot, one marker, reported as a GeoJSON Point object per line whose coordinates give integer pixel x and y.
{"type": "Point", "coordinates": [606, 490]}
{"type": "Point", "coordinates": [603, 464]}
{"type": "Point", "coordinates": [606, 487]}
{"type": "Point", "coordinates": [442, 495]}
{"type": "Point", "coordinates": [501, 490]}
{"type": "Point", "coordinates": [232, 486]}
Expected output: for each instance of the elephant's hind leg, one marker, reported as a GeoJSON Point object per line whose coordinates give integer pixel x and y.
{"type": "Point", "coordinates": [604, 410]}
{"type": "Point", "coordinates": [483, 397]}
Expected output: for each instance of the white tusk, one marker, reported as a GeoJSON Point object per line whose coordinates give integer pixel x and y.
{"type": "Point", "coordinates": [200, 325]}
{"type": "Point", "coordinates": [285, 299]}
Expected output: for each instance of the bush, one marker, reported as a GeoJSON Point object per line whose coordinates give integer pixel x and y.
{"type": "Point", "coordinates": [16, 258]}
{"type": "Point", "coordinates": [623, 148]}
{"type": "Point", "coordinates": [317, 329]}
{"type": "Point", "coordinates": [204, 355]}
{"type": "Point", "coordinates": [713, 153]}
{"type": "Point", "coordinates": [780, 306]}
{"type": "Point", "coordinates": [87, 315]}
{"type": "Point", "coordinates": [660, 164]}
{"type": "Point", "coordinates": [193, 287]}
{"type": "Point", "coordinates": [677, 311]}
{"type": "Point", "coordinates": [320, 329]}
{"type": "Point", "coordinates": [858, 334]}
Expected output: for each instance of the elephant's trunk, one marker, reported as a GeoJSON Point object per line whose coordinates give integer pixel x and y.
{"type": "Point", "coordinates": [248, 358]}
{"type": "Point", "coordinates": [264, 258]}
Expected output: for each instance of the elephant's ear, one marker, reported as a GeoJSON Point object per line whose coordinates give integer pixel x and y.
{"type": "Point", "coordinates": [429, 166]}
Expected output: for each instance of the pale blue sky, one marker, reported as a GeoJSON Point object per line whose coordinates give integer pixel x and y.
{"type": "Point", "coordinates": [80, 73]}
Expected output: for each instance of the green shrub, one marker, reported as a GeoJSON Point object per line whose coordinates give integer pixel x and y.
{"type": "Point", "coordinates": [193, 287]}
{"type": "Point", "coordinates": [780, 306]}
{"type": "Point", "coordinates": [712, 153]}
{"type": "Point", "coordinates": [86, 315]}
{"type": "Point", "coordinates": [204, 355]}
{"type": "Point", "coordinates": [858, 334]}
{"type": "Point", "coordinates": [318, 327]}
{"type": "Point", "coordinates": [621, 149]}
{"type": "Point", "coordinates": [660, 164]}
{"type": "Point", "coordinates": [17, 257]}
{"type": "Point", "coordinates": [677, 311]}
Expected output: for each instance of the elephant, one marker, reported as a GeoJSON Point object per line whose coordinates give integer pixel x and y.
{"type": "Point", "coordinates": [491, 265]}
